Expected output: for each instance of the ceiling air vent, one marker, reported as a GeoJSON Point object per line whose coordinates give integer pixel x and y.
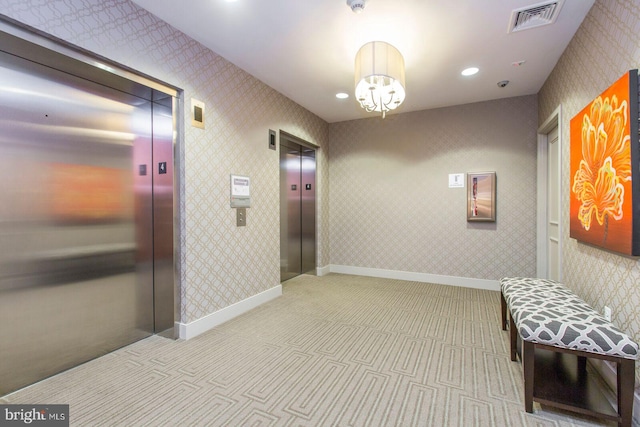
{"type": "Point", "coordinates": [535, 15]}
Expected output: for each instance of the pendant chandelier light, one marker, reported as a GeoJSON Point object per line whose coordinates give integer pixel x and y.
{"type": "Point", "coordinates": [379, 73]}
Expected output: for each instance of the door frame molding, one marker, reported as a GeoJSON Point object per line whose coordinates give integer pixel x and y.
{"type": "Point", "coordinates": [554, 120]}
{"type": "Point", "coordinates": [301, 144]}
{"type": "Point", "coordinates": [296, 140]}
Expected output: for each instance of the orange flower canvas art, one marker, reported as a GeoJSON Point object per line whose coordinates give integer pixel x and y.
{"type": "Point", "coordinates": [604, 185]}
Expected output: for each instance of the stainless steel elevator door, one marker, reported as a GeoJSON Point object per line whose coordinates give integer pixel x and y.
{"type": "Point", "coordinates": [297, 209]}
{"type": "Point", "coordinates": [308, 210]}
{"type": "Point", "coordinates": [163, 216]}
{"type": "Point", "coordinates": [76, 221]}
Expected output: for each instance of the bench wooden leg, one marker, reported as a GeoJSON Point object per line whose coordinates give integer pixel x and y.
{"type": "Point", "coordinates": [626, 379]}
{"type": "Point", "coordinates": [528, 368]}
{"type": "Point", "coordinates": [582, 365]}
{"type": "Point", "coordinates": [503, 306]}
{"type": "Point", "coordinates": [513, 334]}
{"type": "Point", "coordinates": [582, 370]}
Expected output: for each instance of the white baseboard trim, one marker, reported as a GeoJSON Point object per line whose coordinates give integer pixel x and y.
{"type": "Point", "coordinates": [323, 271]}
{"type": "Point", "coordinates": [465, 282]}
{"type": "Point", "coordinates": [608, 373]}
{"type": "Point", "coordinates": [189, 330]}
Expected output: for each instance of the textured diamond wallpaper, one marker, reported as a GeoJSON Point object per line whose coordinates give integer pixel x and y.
{"type": "Point", "coordinates": [220, 264]}
{"type": "Point", "coordinates": [604, 48]}
{"type": "Point", "coordinates": [391, 206]}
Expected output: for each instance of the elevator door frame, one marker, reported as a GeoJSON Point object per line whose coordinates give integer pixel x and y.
{"type": "Point", "coordinates": [27, 43]}
{"type": "Point", "coordinates": [297, 226]}
{"type": "Point", "coordinates": [39, 49]}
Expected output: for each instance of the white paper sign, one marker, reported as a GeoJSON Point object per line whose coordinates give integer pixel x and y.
{"type": "Point", "coordinates": [456, 180]}
{"type": "Point", "coordinates": [240, 185]}
{"type": "Point", "coordinates": [240, 191]}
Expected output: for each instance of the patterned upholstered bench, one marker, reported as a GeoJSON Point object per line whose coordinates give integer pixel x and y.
{"type": "Point", "coordinates": [547, 316]}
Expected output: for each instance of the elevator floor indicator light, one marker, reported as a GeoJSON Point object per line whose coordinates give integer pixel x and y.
{"type": "Point", "coordinates": [162, 168]}
{"type": "Point", "coordinates": [272, 139]}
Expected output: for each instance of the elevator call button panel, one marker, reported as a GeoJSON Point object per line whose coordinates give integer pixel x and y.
{"type": "Point", "coordinates": [241, 217]}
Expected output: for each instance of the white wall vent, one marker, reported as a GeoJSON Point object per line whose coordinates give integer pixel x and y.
{"type": "Point", "coordinates": [535, 15]}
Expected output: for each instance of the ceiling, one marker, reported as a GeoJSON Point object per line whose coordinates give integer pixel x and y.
{"type": "Point", "coordinates": [305, 49]}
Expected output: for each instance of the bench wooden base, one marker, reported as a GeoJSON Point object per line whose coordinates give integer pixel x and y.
{"type": "Point", "coordinates": [558, 377]}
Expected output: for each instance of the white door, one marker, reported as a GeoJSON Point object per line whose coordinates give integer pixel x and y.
{"type": "Point", "coordinates": [554, 254]}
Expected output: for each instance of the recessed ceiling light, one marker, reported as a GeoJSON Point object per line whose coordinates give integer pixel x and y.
{"type": "Point", "coordinates": [470, 71]}
{"type": "Point", "coordinates": [342, 95]}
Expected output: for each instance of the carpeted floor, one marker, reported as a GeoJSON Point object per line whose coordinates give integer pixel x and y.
{"type": "Point", "coordinates": [336, 350]}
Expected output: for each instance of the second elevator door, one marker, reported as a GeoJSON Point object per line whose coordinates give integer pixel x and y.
{"type": "Point", "coordinates": [297, 209]}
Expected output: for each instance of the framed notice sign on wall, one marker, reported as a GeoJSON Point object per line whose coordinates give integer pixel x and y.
{"type": "Point", "coordinates": [240, 191]}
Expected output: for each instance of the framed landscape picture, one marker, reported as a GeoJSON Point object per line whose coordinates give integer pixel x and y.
{"type": "Point", "coordinates": [481, 196]}
{"type": "Point", "coordinates": [605, 181]}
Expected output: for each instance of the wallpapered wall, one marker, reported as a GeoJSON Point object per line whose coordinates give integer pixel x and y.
{"type": "Point", "coordinates": [604, 48]}
{"type": "Point", "coordinates": [391, 207]}
{"type": "Point", "coordinates": [220, 264]}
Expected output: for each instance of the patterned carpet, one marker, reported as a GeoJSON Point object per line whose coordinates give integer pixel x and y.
{"type": "Point", "coordinates": [336, 350]}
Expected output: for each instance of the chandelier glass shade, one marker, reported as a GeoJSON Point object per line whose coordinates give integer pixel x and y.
{"type": "Point", "coordinates": [379, 75]}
